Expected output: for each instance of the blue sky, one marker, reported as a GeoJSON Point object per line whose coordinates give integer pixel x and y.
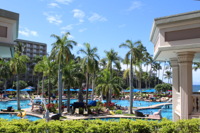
{"type": "Point", "coordinates": [104, 24]}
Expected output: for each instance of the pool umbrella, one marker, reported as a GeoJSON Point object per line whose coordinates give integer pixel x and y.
{"type": "Point", "coordinates": [88, 89]}
{"type": "Point", "coordinates": [10, 89]}
{"type": "Point", "coordinates": [26, 90]}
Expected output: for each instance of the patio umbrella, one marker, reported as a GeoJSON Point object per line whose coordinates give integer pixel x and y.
{"type": "Point", "coordinates": [10, 89]}
{"type": "Point", "coordinates": [88, 89]}
{"type": "Point", "coordinates": [26, 90]}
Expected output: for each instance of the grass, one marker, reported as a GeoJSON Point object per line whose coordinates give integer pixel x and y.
{"type": "Point", "coordinates": [63, 117]}
{"type": "Point", "coordinates": [129, 114]}
{"type": "Point", "coordinates": [19, 110]}
{"type": "Point", "coordinates": [134, 107]}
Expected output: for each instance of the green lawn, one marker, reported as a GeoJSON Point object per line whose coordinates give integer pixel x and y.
{"type": "Point", "coordinates": [63, 117]}
{"type": "Point", "coordinates": [19, 110]}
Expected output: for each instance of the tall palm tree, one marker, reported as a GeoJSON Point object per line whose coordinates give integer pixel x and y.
{"type": "Point", "coordinates": [111, 57]}
{"type": "Point", "coordinates": [163, 71]}
{"type": "Point", "coordinates": [61, 54]}
{"type": "Point", "coordinates": [5, 72]}
{"type": "Point", "coordinates": [35, 61]}
{"type": "Point", "coordinates": [168, 75]}
{"type": "Point", "coordinates": [89, 65]}
{"type": "Point", "coordinates": [19, 48]}
{"type": "Point", "coordinates": [118, 67]}
{"type": "Point", "coordinates": [105, 84]}
{"type": "Point", "coordinates": [18, 67]}
{"type": "Point", "coordinates": [151, 62]}
{"type": "Point", "coordinates": [159, 68]}
{"type": "Point", "coordinates": [50, 69]}
{"type": "Point", "coordinates": [103, 63]}
{"type": "Point", "coordinates": [126, 62]}
{"type": "Point", "coordinates": [145, 77]}
{"type": "Point", "coordinates": [40, 67]}
{"type": "Point", "coordinates": [141, 58]}
{"type": "Point", "coordinates": [72, 76]}
{"type": "Point", "coordinates": [133, 52]}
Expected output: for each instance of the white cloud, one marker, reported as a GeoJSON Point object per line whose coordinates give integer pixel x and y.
{"type": "Point", "coordinates": [55, 19]}
{"type": "Point", "coordinates": [96, 17]}
{"type": "Point", "coordinates": [80, 45]}
{"type": "Point", "coordinates": [79, 14]}
{"type": "Point", "coordinates": [66, 2]}
{"type": "Point", "coordinates": [122, 25]}
{"type": "Point", "coordinates": [68, 27]}
{"type": "Point", "coordinates": [135, 5]}
{"type": "Point", "coordinates": [26, 32]}
{"type": "Point", "coordinates": [81, 30]}
{"type": "Point", "coordinates": [53, 5]}
{"type": "Point", "coordinates": [34, 33]}
{"type": "Point", "coordinates": [69, 36]}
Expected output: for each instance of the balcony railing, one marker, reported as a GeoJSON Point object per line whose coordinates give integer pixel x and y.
{"type": "Point", "coordinates": [196, 104]}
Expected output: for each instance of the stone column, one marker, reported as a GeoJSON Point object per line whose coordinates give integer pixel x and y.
{"type": "Point", "coordinates": [175, 87]}
{"type": "Point", "coordinates": [186, 88]}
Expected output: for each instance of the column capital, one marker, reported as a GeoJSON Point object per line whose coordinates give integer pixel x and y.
{"type": "Point", "coordinates": [185, 57]}
{"type": "Point", "coordinates": [174, 62]}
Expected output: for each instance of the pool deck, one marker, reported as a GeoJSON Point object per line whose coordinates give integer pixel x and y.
{"type": "Point", "coordinates": [157, 106]}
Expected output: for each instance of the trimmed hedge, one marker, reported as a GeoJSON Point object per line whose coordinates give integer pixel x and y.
{"type": "Point", "coordinates": [99, 126]}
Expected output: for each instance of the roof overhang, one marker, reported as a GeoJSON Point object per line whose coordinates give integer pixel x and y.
{"type": "Point", "coordinates": [6, 50]}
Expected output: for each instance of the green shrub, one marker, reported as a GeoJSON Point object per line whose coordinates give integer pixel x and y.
{"type": "Point", "coordinates": [10, 96]}
{"type": "Point", "coordinates": [118, 112]}
{"type": "Point", "coordinates": [99, 126]}
{"type": "Point", "coordinates": [80, 110]}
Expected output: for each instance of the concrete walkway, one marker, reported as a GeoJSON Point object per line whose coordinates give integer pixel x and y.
{"type": "Point", "coordinates": [158, 106]}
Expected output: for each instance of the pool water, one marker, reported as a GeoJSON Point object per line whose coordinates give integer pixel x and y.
{"type": "Point", "coordinates": [165, 112]}
{"type": "Point", "coordinates": [23, 104]}
{"type": "Point", "coordinates": [14, 116]}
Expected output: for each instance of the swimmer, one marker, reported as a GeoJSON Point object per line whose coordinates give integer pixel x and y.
{"type": "Point", "coordinates": [136, 103]}
{"type": "Point", "coordinates": [151, 112]}
{"type": "Point", "coordinates": [140, 104]}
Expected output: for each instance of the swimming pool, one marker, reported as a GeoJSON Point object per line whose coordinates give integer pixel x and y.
{"type": "Point", "coordinates": [165, 112]}
{"type": "Point", "coordinates": [14, 116]}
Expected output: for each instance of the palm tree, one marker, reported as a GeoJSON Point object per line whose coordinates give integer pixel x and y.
{"type": "Point", "coordinates": [126, 62]}
{"type": "Point", "coordinates": [141, 58]}
{"type": "Point", "coordinates": [5, 72]}
{"type": "Point", "coordinates": [151, 62]}
{"type": "Point", "coordinates": [103, 63]}
{"type": "Point", "coordinates": [35, 61]}
{"type": "Point", "coordinates": [159, 68]}
{"type": "Point", "coordinates": [61, 54]}
{"type": "Point", "coordinates": [89, 65]}
{"type": "Point", "coordinates": [40, 67]}
{"type": "Point", "coordinates": [19, 48]}
{"type": "Point", "coordinates": [72, 76]}
{"type": "Point", "coordinates": [168, 75]}
{"type": "Point", "coordinates": [112, 57]}
{"type": "Point", "coordinates": [105, 84]}
{"type": "Point", "coordinates": [118, 67]}
{"type": "Point", "coordinates": [163, 70]}
{"type": "Point", "coordinates": [18, 67]}
{"type": "Point", "coordinates": [50, 69]}
{"type": "Point", "coordinates": [145, 77]}
{"type": "Point", "coordinates": [133, 52]}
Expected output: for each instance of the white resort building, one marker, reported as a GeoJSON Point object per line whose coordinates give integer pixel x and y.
{"type": "Point", "coordinates": [176, 39]}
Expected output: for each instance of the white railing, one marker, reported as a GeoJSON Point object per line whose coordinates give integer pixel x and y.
{"type": "Point", "coordinates": [196, 104]}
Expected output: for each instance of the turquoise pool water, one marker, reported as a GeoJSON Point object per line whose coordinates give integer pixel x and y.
{"type": "Point", "coordinates": [112, 119]}
{"type": "Point", "coordinates": [14, 116]}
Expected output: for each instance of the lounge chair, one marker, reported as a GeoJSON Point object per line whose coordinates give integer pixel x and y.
{"type": "Point", "coordinates": [85, 112]}
{"type": "Point", "coordinates": [139, 114]}
{"type": "Point", "coordinates": [65, 111]}
{"type": "Point", "coordinates": [55, 117]}
{"type": "Point", "coordinates": [94, 113]}
{"type": "Point", "coordinates": [9, 109]}
{"type": "Point", "coordinates": [76, 111]}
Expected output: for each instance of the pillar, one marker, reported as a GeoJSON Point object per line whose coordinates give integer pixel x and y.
{"type": "Point", "coordinates": [175, 87]}
{"type": "Point", "coordinates": [186, 89]}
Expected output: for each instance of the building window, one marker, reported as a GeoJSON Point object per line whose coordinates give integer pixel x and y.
{"type": "Point", "coordinates": [3, 31]}
{"type": "Point", "coordinates": [41, 47]}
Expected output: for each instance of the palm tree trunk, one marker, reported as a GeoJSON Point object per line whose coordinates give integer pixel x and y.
{"type": "Point", "coordinates": [107, 100]}
{"type": "Point", "coordinates": [140, 82]}
{"type": "Point", "coordinates": [63, 87]}
{"type": "Point", "coordinates": [131, 89]}
{"type": "Point", "coordinates": [49, 89]}
{"type": "Point", "coordinates": [68, 98]}
{"type": "Point", "coordinates": [38, 85]}
{"type": "Point", "coordinates": [43, 85]}
{"type": "Point", "coordinates": [18, 96]}
{"type": "Point", "coordinates": [150, 76]}
{"type": "Point", "coordinates": [80, 93]}
{"type": "Point", "coordinates": [87, 86]}
{"type": "Point", "coordinates": [93, 82]}
{"type": "Point", "coordinates": [5, 86]}
{"type": "Point", "coordinates": [163, 72]}
{"type": "Point", "coordinates": [127, 77]}
{"type": "Point", "coordinates": [110, 90]}
{"type": "Point", "coordinates": [60, 88]}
